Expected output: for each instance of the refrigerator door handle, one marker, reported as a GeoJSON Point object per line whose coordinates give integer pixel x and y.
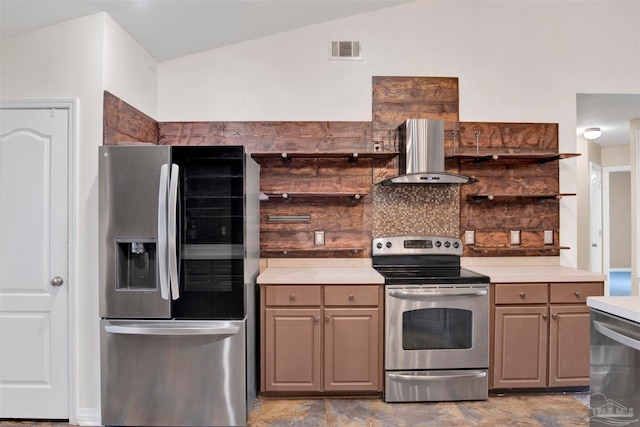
{"type": "Point", "coordinates": [162, 232]}
{"type": "Point", "coordinates": [173, 209]}
{"type": "Point", "coordinates": [171, 330]}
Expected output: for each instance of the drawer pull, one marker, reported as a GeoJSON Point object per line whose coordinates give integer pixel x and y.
{"type": "Point", "coordinates": [578, 294]}
{"type": "Point", "coordinates": [292, 297]}
{"type": "Point", "coordinates": [352, 297]}
{"type": "Point", "coordinates": [522, 294]}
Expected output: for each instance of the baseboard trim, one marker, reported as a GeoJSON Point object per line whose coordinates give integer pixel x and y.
{"type": "Point", "coordinates": [88, 417]}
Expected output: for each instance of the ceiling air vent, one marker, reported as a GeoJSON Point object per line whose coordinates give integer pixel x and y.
{"type": "Point", "coordinates": [345, 50]}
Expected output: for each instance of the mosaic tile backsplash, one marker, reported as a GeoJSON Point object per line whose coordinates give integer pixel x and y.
{"type": "Point", "coordinates": [416, 210]}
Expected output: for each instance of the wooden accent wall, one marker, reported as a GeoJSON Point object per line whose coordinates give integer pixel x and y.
{"type": "Point", "coordinates": [124, 123]}
{"type": "Point", "coordinates": [493, 220]}
{"type": "Point", "coordinates": [396, 99]}
{"type": "Point", "coordinates": [349, 225]}
{"type": "Point", "coordinates": [268, 136]}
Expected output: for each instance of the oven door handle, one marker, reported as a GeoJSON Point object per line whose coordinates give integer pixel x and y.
{"type": "Point", "coordinates": [422, 294]}
{"type": "Point", "coordinates": [436, 377]}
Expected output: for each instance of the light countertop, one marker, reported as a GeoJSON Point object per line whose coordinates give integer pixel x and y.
{"type": "Point", "coordinates": [626, 307]}
{"type": "Point", "coordinates": [320, 276]}
{"type": "Point", "coordinates": [531, 273]}
{"type": "Point", "coordinates": [359, 271]}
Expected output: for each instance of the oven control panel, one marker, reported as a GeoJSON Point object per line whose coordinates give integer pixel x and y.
{"type": "Point", "coordinates": [417, 245]}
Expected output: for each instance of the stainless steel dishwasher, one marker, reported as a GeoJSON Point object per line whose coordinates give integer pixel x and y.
{"type": "Point", "coordinates": [615, 371]}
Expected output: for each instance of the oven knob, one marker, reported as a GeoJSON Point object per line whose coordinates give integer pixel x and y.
{"type": "Point", "coordinates": [447, 244]}
{"type": "Point", "coordinates": [438, 244]}
{"type": "Point", "coordinates": [379, 245]}
{"type": "Point", "coordinates": [388, 245]}
{"type": "Point", "coordinates": [456, 245]}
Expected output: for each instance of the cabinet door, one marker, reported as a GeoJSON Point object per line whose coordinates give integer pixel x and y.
{"type": "Point", "coordinates": [292, 349]}
{"type": "Point", "coordinates": [351, 349]}
{"type": "Point", "coordinates": [569, 346]}
{"type": "Point", "coordinates": [520, 352]}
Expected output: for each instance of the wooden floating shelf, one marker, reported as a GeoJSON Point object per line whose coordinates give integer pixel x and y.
{"type": "Point", "coordinates": [287, 197]}
{"type": "Point", "coordinates": [539, 157]}
{"type": "Point", "coordinates": [499, 197]}
{"type": "Point", "coordinates": [516, 248]}
{"type": "Point", "coordinates": [320, 251]}
{"type": "Point", "coordinates": [352, 156]}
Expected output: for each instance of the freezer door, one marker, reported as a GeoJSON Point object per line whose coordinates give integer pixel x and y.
{"type": "Point", "coordinates": [173, 373]}
{"type": "Point", "coordinates": [132, 252]}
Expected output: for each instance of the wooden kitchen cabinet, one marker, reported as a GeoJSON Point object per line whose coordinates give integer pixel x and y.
{"type": "Point", "coordinates": [317, 339]}
{"type": "Point", "coordinates": [569, 346]}
{"type": "Point", "coordinates": [293, 349]}
{"type": "Point", "coordinates": [520, 347]}
{"type": "Point", "coordinates": [540, 334]}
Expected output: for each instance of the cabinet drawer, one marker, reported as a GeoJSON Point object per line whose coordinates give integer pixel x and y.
{"type": "Point", "coordinates": [292, 295]}
{"type": "Point", "coordinates": [351, 295]}
{"type": "Point", "coordinates": [574, 292]}
{"type": "Point", "coordinates": [521, 293]}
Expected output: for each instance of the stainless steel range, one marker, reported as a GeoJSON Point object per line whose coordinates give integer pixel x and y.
{"type": "Point", "coordinates": [436, 320]}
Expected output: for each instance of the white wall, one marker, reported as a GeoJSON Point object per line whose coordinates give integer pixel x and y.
{"type": "Point", "coordinates": [620, 219]}
{"type": "Point", "coordinates": [65, 62]}
{"type": "Point", "coordinates": [79, 59]}
{"type": "Point", "coordinates": [520, 61]}
{"type": "Point", "coordinates": [616, 155]}
{"type": "Point", "coordinates": [130, 73]}
{"type": "Point", "coordinates": [634, 150]}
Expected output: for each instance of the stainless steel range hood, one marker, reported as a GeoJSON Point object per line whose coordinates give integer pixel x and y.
{"type": "Point", "coordinates": [422, 155]}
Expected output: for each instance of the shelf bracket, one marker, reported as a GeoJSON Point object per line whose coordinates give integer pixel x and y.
{"type": "Point", "coordinates": [353, 158]}
{"type": "Point", "coordinates": [483, 159]}
{"type": "Point", "coordinates": [542, 162]}
{"type": "Point", "coordinates": [285, 158]}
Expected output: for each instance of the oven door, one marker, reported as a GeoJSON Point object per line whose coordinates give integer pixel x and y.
{"type": "Point", "coordinates": [428, 327]}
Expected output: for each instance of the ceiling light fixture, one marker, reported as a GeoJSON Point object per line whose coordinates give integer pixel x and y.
{"type": "Point", "coordinates": [592, 133]}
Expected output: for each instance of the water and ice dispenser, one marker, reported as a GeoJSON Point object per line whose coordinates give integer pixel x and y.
{"type": "Point", "coordinates": [136, 264]}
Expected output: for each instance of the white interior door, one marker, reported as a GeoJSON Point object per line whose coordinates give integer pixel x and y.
{"type": "Point", "coordinates": [595, 212]}
{"type": "Point", "coordinates": [34, 333]}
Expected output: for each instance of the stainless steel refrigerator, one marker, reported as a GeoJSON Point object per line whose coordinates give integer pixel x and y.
{"type": "Point", "coordinates": [179, 255]}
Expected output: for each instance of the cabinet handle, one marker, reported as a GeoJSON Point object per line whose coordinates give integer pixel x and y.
{"type": "Point", "coordinates": [316, 319]}
{"type": "Point", "coordinates": [352, 297]}
{"type": "Point", "coordinates": [326, 318]}
{"type": "Point", "coordinates": [292, 297]}
{"type": "Point", "coordinates": [555, 316]}
{"type": "Point", "coordinates": [544, 316]}
{"type": "Point", "coordinates": [578, 294]}
{"type": "Point", "coordinates": [522, 294]}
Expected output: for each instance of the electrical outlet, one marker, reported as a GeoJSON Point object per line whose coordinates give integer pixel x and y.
{"type": "Point", "coordinates": [318, 238]}
{"type": "Point", "coordinates": [469, 237]}
{"type": "Point", "coordinates": [548, 237]}
{"type": "Point", "coordinates": [515, 237]}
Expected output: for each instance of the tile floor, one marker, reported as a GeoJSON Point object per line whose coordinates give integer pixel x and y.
{"type": "Point", "coordinates": [547, 410]}
{"type": "Point", "coordinates": [558, 410]}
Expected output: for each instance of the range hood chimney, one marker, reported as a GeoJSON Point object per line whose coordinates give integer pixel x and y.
{"type": "Point", "coordinates": [422, 155]}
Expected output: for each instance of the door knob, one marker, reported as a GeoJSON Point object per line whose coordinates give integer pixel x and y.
{"type": "Point", "coordinates": [57, 281]}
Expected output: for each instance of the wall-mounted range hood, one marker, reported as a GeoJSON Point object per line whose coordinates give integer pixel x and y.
{"type": "Point", "coordinates": [422, 155]}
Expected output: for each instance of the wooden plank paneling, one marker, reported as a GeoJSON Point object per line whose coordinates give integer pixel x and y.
{"type": "Point", "coordinates": [270, 136]}
{"type": "Point", "coordinates": [508, 137]}
{"type": "Point", "coordinates": [396, 99]}
{"type": "Point", "coordinates": [493, 220]}
{"type": "Point", "coordinates": [124, 123]}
